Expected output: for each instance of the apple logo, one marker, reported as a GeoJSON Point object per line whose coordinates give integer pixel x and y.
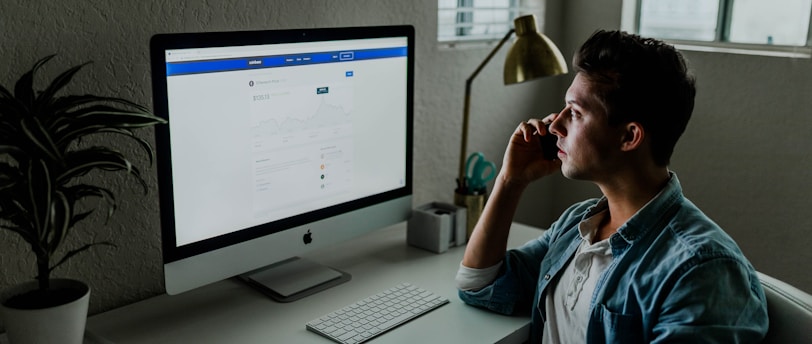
{"type": "Point", "coordinates": [308, 237]}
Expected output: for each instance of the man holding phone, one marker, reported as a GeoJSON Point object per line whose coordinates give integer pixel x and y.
{"type": "Point", "coordinates": [640, 264]}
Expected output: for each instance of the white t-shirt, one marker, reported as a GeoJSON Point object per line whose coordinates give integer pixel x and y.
{"type": "Point", "coordinates": [567, 304]}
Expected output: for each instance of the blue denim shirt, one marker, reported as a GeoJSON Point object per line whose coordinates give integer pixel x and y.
{"type": "Point", "coordinates": [676, 276]}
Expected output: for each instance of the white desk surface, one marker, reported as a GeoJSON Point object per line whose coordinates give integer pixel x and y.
{"type": "Point", "coordinates": [232, 312]}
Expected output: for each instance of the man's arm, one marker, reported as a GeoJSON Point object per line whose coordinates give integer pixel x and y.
{"type": "Point", "coordinates": [487, 245]}
{"type": "Point", "coordinates": [523, 164]}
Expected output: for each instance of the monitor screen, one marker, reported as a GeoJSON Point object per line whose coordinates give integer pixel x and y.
{"type": "Point", "coordinates": [278, 142]}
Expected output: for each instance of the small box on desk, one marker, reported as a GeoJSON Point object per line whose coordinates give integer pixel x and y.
{"type": "Point", "coordinates": [437, 226]}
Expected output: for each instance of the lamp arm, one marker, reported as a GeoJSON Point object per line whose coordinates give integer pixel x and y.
{"type": "Point", "coordinates": [467, 108]}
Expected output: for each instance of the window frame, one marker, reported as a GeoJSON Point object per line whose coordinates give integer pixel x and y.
{"type": "Point", "coordinates": [630, 21]}
{"type": "Point", "coordinates": [515, 9]}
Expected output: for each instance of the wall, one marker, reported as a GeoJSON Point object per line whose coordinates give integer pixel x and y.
{"type": "Point", "coordinates": [115, 34]}
{"type": "Point", "coordinates": [745, 157]}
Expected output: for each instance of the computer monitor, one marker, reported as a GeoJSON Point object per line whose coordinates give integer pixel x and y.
{"type": "Point", "coordinates": [279, 142]}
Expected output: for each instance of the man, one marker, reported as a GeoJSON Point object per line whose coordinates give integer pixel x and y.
{"type": "Point", "coordinates": [640, 264]}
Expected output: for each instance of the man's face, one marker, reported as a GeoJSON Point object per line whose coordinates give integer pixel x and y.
{"type": "Point", "coordinates": [589, 148]}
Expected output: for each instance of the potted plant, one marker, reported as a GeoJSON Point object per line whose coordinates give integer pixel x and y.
{"type": "Point", "coordinates": [45, 153]}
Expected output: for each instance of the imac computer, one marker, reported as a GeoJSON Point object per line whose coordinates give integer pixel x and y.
{"type": "Point", "coordinates": [279, 142]}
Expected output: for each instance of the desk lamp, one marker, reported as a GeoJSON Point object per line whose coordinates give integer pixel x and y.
{"type": "Point", "coordinates": [531, 56]}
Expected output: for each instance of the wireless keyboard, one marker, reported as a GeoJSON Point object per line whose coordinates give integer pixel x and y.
{"type": "Point", "coordinates": [370, 317]}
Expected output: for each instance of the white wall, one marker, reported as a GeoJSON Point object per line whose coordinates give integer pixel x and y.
{"type": "Point", "coordinates": [743, 159]}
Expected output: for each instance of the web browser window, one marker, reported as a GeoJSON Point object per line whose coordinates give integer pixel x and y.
{"type": "Point", "coordinates": [299, 127]}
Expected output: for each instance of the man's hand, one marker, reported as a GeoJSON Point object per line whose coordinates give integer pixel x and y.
{"type": "Point", "coordinates": [524, 161]}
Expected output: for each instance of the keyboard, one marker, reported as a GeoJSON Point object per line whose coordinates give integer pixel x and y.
{"type": "Point", "coordinates": [370, 317]}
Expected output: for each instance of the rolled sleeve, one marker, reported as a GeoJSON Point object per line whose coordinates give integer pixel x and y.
{"type": "Point", "coordinates": [513, 289]}
{"type": "Point", "coordinates": [471, 279]}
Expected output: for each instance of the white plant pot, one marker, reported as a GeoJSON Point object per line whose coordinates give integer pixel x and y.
{"type": "Point", "coordinates": [59, 324]}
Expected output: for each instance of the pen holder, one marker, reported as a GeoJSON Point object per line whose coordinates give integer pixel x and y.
{"type": "Point", "coordinates": [436, 227]}
{"type": "Point", "coordinates": [473, 205]}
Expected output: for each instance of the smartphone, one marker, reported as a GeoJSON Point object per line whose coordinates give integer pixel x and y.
{"type": "Point", "coordinates": [549, 146]}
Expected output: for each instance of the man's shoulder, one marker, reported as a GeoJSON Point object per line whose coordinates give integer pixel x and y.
{"type": "Point", "coordinates": [695, 231]}
{"type": "Point", "coordinates": [691, 239]}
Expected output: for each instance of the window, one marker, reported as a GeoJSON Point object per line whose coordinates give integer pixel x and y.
{"type": "Point", "coordinates": [481, 20]}
{"type": "Point", "coordinates": [759, 24]}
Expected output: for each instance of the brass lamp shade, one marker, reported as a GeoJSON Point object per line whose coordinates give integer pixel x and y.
{"type": "Point", "coordinates": [532, 55]}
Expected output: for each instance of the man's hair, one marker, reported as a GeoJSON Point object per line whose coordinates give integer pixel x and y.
{"type": "Point", "coordinates": [640, 80]}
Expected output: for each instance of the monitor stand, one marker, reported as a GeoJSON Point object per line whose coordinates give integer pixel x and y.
{"type": "Point", "coordinates": [293, 279]}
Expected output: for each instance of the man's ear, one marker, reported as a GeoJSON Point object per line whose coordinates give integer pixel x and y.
{"type": "Point", "coordinates": [633, 136]}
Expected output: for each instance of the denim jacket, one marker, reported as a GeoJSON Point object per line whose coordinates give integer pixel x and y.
{"type": "Point", "coordinates": [675, 277]}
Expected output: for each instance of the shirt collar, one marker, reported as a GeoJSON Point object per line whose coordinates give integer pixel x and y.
{"type": "Point", "coordinates": [648, 217]}
{"type": "Point", "coordinates": [587, 229]}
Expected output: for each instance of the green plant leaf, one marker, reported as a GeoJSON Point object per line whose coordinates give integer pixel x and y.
{"type": "Point", "coordinates": [10, 150]}
{"type": "Point", "coordinates": [114, 117]}
{"type": "Point", "coordinates": [10, 172]}
{"type": "Point", "coordinates": [42, 155]}
{"type": "Point", "coordinates": [79, 217]}
{"type": "Point", "coordinates": [127, 103]}
{"type": "Point", "coordinates": [79, 192]}
{"type": "Point", "coordinates": [11, 111]}
{"type": "Point", "coordinates": [39, 187]}
{"type": "Point", "coordinates": [83, 161]}
{"type": "Point", "coordinates": [34, 131]}
{"type": "Point", "coordinates": [66, 107]}
{"type": "Point", "coordinates": [77, 251]}
{"type": "Point", "coordinates": [24, 88]}
{"type": "Point", "coordinates": [15, 218]}
{"type": "Point", "coordinates": [59, 219]}
{"type": "Point", "coordinates": [10, 131]}
{"type": "Point", "coordinates": [83, 132]}
{"type": "Point", "coordinates": [5, 94]}
{"type": "Point", "coordinates": [46, 97]}
{"type": "Point", "coordinates": [14, 211]}
{"type": "Point", "coordinates": [64, 104]}
{"type": "Point", "coordinates": [94, 125]}
{"type": "Point", "coordinates": [7, 183]}
{"type": "Point", "coordinates": [146, 146]}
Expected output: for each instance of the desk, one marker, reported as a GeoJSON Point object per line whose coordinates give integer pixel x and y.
{"type": "Point", "coordinates": [230, 311]}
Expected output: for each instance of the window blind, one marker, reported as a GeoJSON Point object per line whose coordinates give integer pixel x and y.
{"type": "Point", "coordinates": [480, 20]}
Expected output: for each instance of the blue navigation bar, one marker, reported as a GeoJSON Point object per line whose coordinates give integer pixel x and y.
{"type": "Point", "coordinates": [244, 63]}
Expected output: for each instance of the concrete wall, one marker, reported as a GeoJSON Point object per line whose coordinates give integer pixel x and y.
{"type": "Point", "coordinates": [743, 158]}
